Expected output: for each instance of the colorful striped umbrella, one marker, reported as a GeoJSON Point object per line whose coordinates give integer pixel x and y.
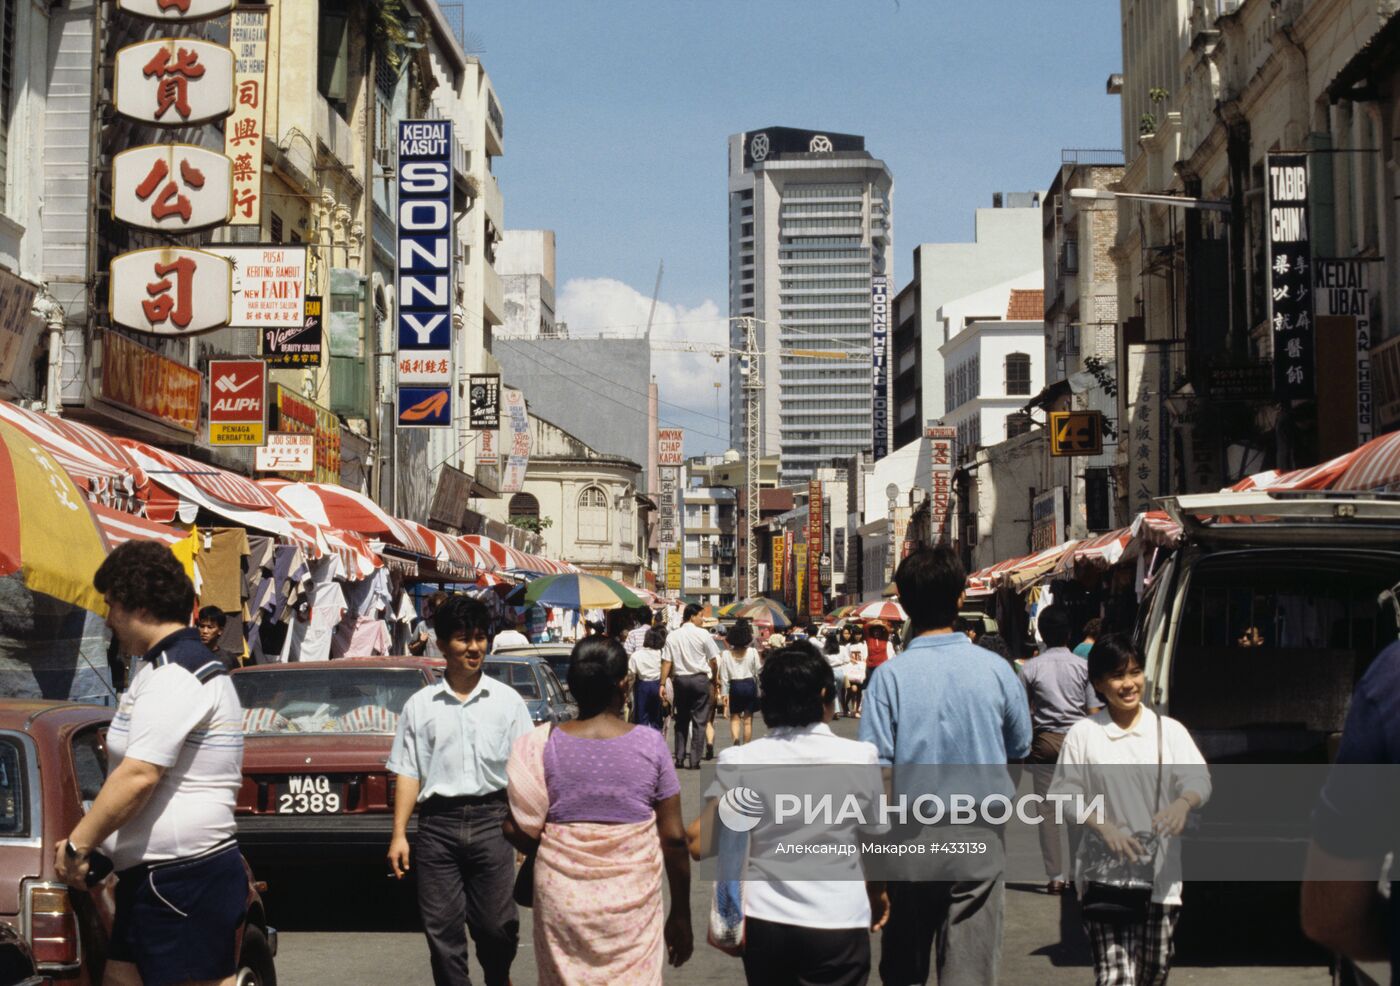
{"type": "Point", "coordinates": [886, 609]}
{"type": "Point", "coordinates": [761, 609]}
{"type": "Point", "coordinates": [47, 532]}
{"type": "Point", "coordinates": [580, 592]}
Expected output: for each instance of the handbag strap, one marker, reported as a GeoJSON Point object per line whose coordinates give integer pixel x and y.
{"type": "Point", "coordinates": [1159, 762]}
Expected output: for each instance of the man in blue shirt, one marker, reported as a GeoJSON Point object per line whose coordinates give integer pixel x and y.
{"type": "Point", "coordinates": [1354, 827]}
{"type": "Point", "coordinates": [449, 761]}
{"type": "Point", "coordinates": [942, 701]}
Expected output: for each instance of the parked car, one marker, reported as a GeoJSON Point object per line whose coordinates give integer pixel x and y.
{"type": "Point", "coordinates": [316, 742]}
{"type": "Point", "coordinates": [53, 760]}
{"type": "Point", "coordinates": [555, 655]}
{"type": "Point", "coordinates": [535, 680]}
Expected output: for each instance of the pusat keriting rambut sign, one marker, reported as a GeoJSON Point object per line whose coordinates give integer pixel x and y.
{"type": "Point", "coordinates": [237, 401]}
{"type": "Point", "coordinates": [177, 188]}
{"type": "Point", "coordinates": [169, 291]}
{"type": "Point", "coordinates": [174, 82]}
{"type": "Point", "coordinates": [424, 274]}
{"type": "Point", "coordinates": [175, 11]}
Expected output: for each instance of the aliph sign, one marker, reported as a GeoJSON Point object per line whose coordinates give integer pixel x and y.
{"type": "Point", "coordinates": [169, 290]}
{"type": "Point", "coordinates": [174, 187]}
{"type": "Point", "coordinates": [174, 82]}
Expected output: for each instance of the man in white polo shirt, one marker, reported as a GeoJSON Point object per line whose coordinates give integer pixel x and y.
{"type": "Point", "coordinates": [691, 661]}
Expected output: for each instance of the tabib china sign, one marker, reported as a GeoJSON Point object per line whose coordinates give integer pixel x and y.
{"type": "Point", "coordinates": [1290, 276]}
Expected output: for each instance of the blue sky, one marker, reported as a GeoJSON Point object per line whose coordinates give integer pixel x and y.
{"type": "Point", "coordinates": [617, 112]}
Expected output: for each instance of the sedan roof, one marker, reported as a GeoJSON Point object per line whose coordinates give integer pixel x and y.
{"type": "Point", "coordinates": [350, 663]}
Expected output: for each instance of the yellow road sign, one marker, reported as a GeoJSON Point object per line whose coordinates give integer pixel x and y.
{"type": "Point", "coordinates": [1076, 433]}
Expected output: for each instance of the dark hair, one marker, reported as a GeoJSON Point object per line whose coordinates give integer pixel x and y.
{"type": "Point", "coordinates": [597, 666]}
{"type": "Point", "coordinates": [690, 610]}
{"type": "Point", "coordinates": [147, 575]}
{"type": "Point", "coordinates": [655, 639]}
{"type": "Point", "coordinates": [877, 630]}
{"type": "Point", "coordinates": [213, 614]}
{"type": "Point", "coordinates": [931, 581]}
{"type": "Point", "coordinates": [461, 614]}
{"type": "Point", "coordinates": [1110, 654]}
{"type": "Point", "coordinates": [833, 643]}
{"type": "Point", "coordinates": [794, 686]}
{"type": "Point", "coordinates": [857, 631]}
{"type": "Point", "coordinates": [1053, 624]}
{"type": "Point", "coordinates": [436, 600]}
{"type": "Point", "coordinates": [962, 624]}
{"type": "Point", "coordinates": [1093, 628]}
{"type": "Point", "coordinates": [740, 634]}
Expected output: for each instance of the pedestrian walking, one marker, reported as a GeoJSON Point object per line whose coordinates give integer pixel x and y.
{"type": "Point", "coordinates": [1093, 628]}
{"type": "Point", "coordinates": [877, 646]}
{"type": "Point", "coordinates": [801, 932]}
{"type": "Point", "coordinates": [644, 667]}
{"type": "Point", "coordinates": [855, 670]}
{"type": "Point", "coordinates": [1057, 685]}
{"type": "Point", "coordinates": [598, 802]}
{"type": "Point", "coordinates": [424, 640]}
{"type": "Point", "coordinates": [1353, 828]}
{"type": "Point", "coordinates": [1128, 869]}
{"type": "Point", "coordinates": [449, 765]}
{"type": "Point", "coordinates": [164, 816]}
{"type": "Point", "coordinates": [839, 658]}
{"type": "Point", "coordinates": [641, 624]}
{"type": "Point", "coordinates": [738, 669]}
{"type": "Point", "coordinates": [690, 663]}
{"type": "Point", "coordinates": [509, 635]}
{"type": "Point", "coordinates": [944, 701]}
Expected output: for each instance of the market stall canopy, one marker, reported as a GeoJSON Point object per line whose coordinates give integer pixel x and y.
{"type": "Point", "coordinates": [1097, 553]}
{"type": "Point", "coordinates": [1026, 571]}
{"type": "Point", "coordinates": [513, 559]}
{"type": "Point", "coordinates": [120, 527]}
{"type": "Point", "coordinates": [580, 592]}
{"type": "Point", "coordinates": [48, 533]}
{"type": "Point", "coordinates": [453, 557]}
{"type": "Point", "coordinates": [1372, 468]}
{"type": "Point", "coordinates": [887, 610]}
{"type": "Point", "coordinates": [1157, 530]}
{"type": "Point", "coordinates": [347, 510]}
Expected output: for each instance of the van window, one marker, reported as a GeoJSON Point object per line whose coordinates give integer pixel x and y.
{"type": "Point", "coordinates": [1278, 639]}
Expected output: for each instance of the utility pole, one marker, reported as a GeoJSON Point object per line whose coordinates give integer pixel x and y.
{"type": "Point", "coordinates": [751, 370]}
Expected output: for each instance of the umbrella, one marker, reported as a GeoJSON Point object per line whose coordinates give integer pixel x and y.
{"type": "Point", "coordinates": [580, 592]}
{"type": "Point", "coordinates": [887, 610]}
{"type": "Point", "coordinates": [728, 610]}
{"type": "Point", "coordinates": [761, 609]}
{"type": "Point", "coordinates": [48, 534]}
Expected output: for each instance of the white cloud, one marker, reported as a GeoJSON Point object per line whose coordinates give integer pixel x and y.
{"type": "Point", "coordinates": [604, 306]}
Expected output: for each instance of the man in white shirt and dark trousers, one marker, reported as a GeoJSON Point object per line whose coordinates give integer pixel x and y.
{"type": "Point", "coordinates": [164, 817]}
{"type": "Point", "coordinates": [691, 661]}
{"type": "Point", "coordinates": [449, 761]}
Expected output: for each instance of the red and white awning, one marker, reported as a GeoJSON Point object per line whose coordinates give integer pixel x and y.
{"type": "Point", "coordinates": [338, 507]}
{"type": "Point", "coordinates": [120, 527]}
{"type": "Point", "coordinates": [1155, 529]}
{"type": "Point", "coordinates": [357, 558]}
{"type": "Point", "coordinates": [507, 557]}
{"type": "Point", "coordinates": [452, 556]}
{"type": "Point", "coordinates": [1099, 552]}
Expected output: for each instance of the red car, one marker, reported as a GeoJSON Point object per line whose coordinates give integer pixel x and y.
{"type": "Point", "coordinates": [316, 740]}
{"type": "Point", "coordinates": [53, 760]}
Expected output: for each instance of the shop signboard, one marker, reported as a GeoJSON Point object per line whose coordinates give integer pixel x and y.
{"type": "Point", "coordinates": [814, 549]}
{"type": "Point", "coordinates": [799, 572]}
{"type": "Point", "coordinates": [243, 130]}
{"type": "Point", "coordinates": [173, 82]}
{"type": "Point", "coordinates": [268, 284]}
{"type": "Point", "coordinates": [517, 436]}
{"type": "Point", "coordinates": [237, 401]}
{"type": "Point", "coordinates": [942, 445]}
{"type": "Point", "coordinates": [776, 566]}
{"type": "Point", "coordinates": [879, 367]}
{"type": "Point", "coordinates": [1290, 276]}
{"type": "Point", "coordinates": [426, 230]}
{"type": "Point", "coordinates": [19, 327]}
{"type": "Point", "coordinates": [1342, 293]}
{"type": "Point", "coordinates": [488, 445]}
{"type": "Point", "coordinates": [143, 381]}
{"type": "Point", "coordinates": [670, 444]}
{"type": "Point", "coordinates": [1076, 433]}
{"type": "Point", "coordinates": [176, 11]}
{"type": "Point", "coordinates": [1048, 519]}
{"type": "Point", "coordinates": [169, 290]}
{"type": "Point", "coordinates": [294, 413]}
{"type": "Point", "coordinates": [295, 347]}
{"type": "Point", "coordinates": [484, 392]}
{"type": "Point", "coordinates": [668, 509]}
{"type": "Point", "coordinates": [673, 570]}
{"type": "Point", "coordinates": [789, 576]}
{"type": "Point", "coordinates": [177, 188]}
{"type": "Point", "coordinates": [286, 452]}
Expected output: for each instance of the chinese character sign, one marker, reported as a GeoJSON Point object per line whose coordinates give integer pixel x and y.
{"type": "Point", "coordinates": [879, 366]}
{"type": "Point", "coordinates": [942, 446]}
{"type": "Point", "coordinates": [173, 187]}
{"type": "Point", "coordinates": [484, 390]}
{"type": "Point", "coordinates": [815, 523]}
{"type": "Point", "coordinates": [174, 82]}
{"type": "Point", "coordinates": [169, 291]}
{"type": "Point", "coordinates": [175, 10]}
{"type": "Point", "coordinates": [269, 285]}
{"type": "Point", "coordinates": [243, 129]}
{"type": "Point", "coordinates": [424, 265]}
{"type": "Point", "coordinates": [668, 510]}
{"type": "Point", "coordinates": [1343, 298]}
{"type": "Point", "coordinates": [1142, 436]}
{"type": "Point", "coordinates": [286, 452]}
{"type": "Point", "coordinates": [517, 437]}
{"type": "Point", "coordinates": [1290, 276]}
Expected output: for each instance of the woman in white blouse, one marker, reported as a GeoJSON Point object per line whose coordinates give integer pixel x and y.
{"type": "Point", "coordinates": [738, 671]}
{"type": "Point", "coordinates": [1151, 777]}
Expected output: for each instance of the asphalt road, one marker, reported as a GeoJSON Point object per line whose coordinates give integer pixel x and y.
{"type": "Point", "coordinates": [351, 928]}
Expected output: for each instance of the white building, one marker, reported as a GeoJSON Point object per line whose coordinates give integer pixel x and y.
{"type": "Point", "coordinates": [993, 365]}
{"type": "Point", "coordinates": [525, 263]}
{"type": "Point", "coordinates": [710, 551]}
{"type": "Point", "coordinates": [809, 224]}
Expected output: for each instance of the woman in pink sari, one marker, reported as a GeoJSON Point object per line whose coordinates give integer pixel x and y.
{"type": "Point", "coordinates": [598, 800]}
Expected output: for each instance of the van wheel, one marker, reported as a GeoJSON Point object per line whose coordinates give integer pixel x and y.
{"type": "Point", "coordinates": [255, 966]}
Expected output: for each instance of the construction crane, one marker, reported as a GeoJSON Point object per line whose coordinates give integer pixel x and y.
{"type": "Point", "coordinates": [655, 293]}
{"type": "Point", "coordinates": [751, 371]}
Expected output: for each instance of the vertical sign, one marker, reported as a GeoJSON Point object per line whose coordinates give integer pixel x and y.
{"type": "Point", "coordinates": [1047, 519]}
{"type": "Point", "coordinates": [1290, 280]}
{"type": "Point", "coordinates": [424, 267]}
{"type": "Point", "coordinates": [517, 422]}
{"type": "Point", "coordinates": [1341, 292]}
{"type": "Point", "coordinates": [243, 130]}
{"type": "Point", "coordinates": [1143, 436]}
{"type": "Point", "coordinates": [879, 367]}
{"type": "Point", "coordinates": [776, 566]}
{"type": "Point", "coordinates": [237, 401]}
{"type": "Point", "coordinates": [669, 445]}
{"type": "Point", "coordinates": [799, 574]}
{"type": "Point", "coordinates": [484, 390]}
{"type": "Point", "coordinates": [942, 448]}
{"type": "Point", "coordinates": [674, 571]}
{"type": "Point", "coordinates": [789, 576]}
{"type": "Point", "coordinates": [814, 549]}
{"type": "Point", "coordinates": [667, 531]}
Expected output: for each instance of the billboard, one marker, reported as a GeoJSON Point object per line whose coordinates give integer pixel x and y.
{"type": "Point", "coordinates": [237, 401]}
{"type": "Point", "coordinates": [269, 284]}
{"type": "Point", "coordinates": [879, 366]}
{"type": "Point", "coordinates": [669, 447]}
{"type": "Point", "coordinates": [942, 448]}
{"type": "Point", "coordinates": [142, 380]}
{"type": "Point", "coordinates": [424, 278]}
{"type": "Point", "coordinates": [1290, 280]}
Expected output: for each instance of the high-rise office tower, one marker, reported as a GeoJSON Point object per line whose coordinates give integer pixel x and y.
{"type": "Point", "coordinates": [810, 255]}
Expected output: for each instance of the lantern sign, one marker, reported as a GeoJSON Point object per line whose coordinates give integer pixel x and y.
{"type": "Point", "coordinates": [177, 11]}
{"type": "Point", "coordinates": [170, 290]}
{"type": "Point", "coordinates": [173, 187]}
{"type": "Point", "coordinates": [174, 82]}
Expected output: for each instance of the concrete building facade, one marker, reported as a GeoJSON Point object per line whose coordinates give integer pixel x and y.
{"type": "Point", "coordinates": [809, 225]}
{"type": "Point", "coordinates": [525, 263]}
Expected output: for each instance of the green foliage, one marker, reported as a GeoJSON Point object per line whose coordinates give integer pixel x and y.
{"type": "Point", "coordinates": [534, 525]}
{"type": "Point", "coordinates": [388, 32]}
{"type": "Point", "coordinates": [1147, 125]}
{"type": "Point", "coordinates": [1157, 94]}
{"type": "Point", "coordinates": [1103, 373]}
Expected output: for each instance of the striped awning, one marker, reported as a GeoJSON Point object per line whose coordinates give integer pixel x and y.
{"type": "Point", "coordinates": [1155, 529]}
{"type": "Point", "coordinates": [452, 556]}
{"type": "Point", "coordinates": [120, 527]}
{"type": "Point", "coordinates": [1096, 553]}
{"type": "Point", "coordinates": [508, 558]}
{"type": "Point", "coordinates": [348, 510]}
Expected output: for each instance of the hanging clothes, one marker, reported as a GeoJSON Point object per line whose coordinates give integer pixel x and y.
{"type": "Point", "coordinates": [220, 564]}
{"type": "Point", "coordinates": [310, 631]}
{"type": "Point", "coordinates": [370, 596]}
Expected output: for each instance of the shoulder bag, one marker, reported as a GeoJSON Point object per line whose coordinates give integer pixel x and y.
{"type": "Point", "coordinates": [1114, 903]}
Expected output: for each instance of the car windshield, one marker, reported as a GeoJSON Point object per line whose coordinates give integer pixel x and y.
{"type": "Point", "coordinates": [333, 700]}
{"type": "Point", "coordinates": [518, 675]}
